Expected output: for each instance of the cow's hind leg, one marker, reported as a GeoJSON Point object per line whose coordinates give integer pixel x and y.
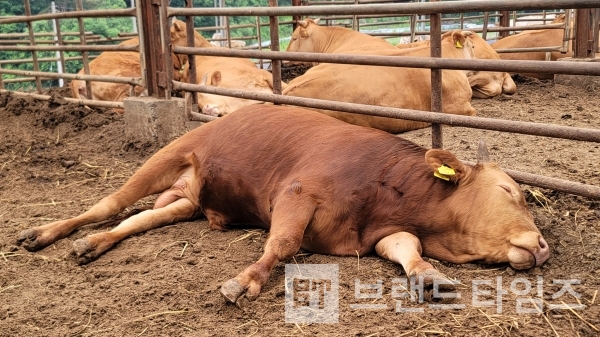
{"type": "Point", "coordinates": [92, 246]}
{"type": "Point", "coordinates": [405, 248]}
{"type": "Point", "coordinates": [39, 237]}
{"type": "Point", "coordinates": [157, 175]}
{"type": "Point", "coordinates": [290, 217]}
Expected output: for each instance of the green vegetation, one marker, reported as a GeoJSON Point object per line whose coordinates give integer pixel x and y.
{"type": "Point", "coordinates": [106, 28]}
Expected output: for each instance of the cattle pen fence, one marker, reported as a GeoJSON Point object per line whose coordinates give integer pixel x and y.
{"type": "Point", "coordinates": [157, 75]}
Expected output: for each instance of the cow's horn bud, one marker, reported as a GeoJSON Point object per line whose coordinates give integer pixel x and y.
{"type": "Point", "coordinates": [482, 152]}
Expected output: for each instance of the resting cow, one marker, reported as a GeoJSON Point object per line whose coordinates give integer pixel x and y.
{"type": "Point", "coordinates": [532, 39]}
{"type": "Point", "coordinates": [230, 73]}
{"type": "Point", "coordinates": [408, 88]}
{"type": "Point", "coordinates": [126, 64]}
{"type": "Point", "coordinates": [485, 84]}
{"type": "Point", "coordinates": [322, 185]}
{"type": "Point", "coordinates": [309, 37]}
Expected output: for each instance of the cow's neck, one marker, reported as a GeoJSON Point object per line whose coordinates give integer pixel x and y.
{"type": "Point", "coordinates": [335, 37]}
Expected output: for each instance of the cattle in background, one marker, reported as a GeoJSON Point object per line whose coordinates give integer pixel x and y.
{"type": "Point", "coordinates": [322, 185]}
{"type": "Point", "coordinates": [238, 44]}
{"type": "Point", "coordinates": [485, 84]}
{"type": "Point", "coordinates": [408, 88]}
{"type": "Point", "coordinates": [116, 64]}
{"type": "Point", "coordinates": [532, 39]}
{"type": "Point", "coordinates": [230, 73]}
{"type": "Point", "coordinates": [309, 37]}
{"type": "Point", "coordinates": [127, 64]}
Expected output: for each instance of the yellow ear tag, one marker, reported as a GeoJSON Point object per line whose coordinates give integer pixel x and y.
{"type": "Point", "coordinates": [458, 44]}
{"type": "Point", "coordinates": [446, 170]}
{"type": "Point", "coordinates": [303, 33]}
{"type": "Point", "coordinates": [441, 176]}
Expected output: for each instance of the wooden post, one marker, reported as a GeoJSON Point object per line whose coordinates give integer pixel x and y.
{"type": "Point", "coordinates": [152, 47]}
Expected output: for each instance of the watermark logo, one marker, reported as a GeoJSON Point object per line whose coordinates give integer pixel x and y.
{"type": "Point", "coordinates": [311, 293]}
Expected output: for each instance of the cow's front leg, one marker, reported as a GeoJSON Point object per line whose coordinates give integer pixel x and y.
{"type": "Point", "coordinates": [290, 218]}
{"type": "Point", "coordinates": [405, 249]}
{"type": "Point", "coordinates": [92, 246]}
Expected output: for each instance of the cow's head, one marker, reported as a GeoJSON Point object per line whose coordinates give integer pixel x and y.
{"type": "Point", "coordinates": [216, 105]}
{"type": "Point", "coordinates": [486, 84]}
{"type": "Point", "coordinates": [462, 45]}
{"type": "Point", "coordinates": [301, 40]}
{"type": "Point", "coordinates": [179, 36]}
{"type": "Point", "coordinates": [487, 216]}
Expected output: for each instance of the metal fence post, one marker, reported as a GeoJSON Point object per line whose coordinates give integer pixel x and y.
{"type": "Point", "coordinates": [36, 66]}
{"type": "Point", "coordinates": [275, 64]}
{"type": "Point", "coordinates": [435, 33]}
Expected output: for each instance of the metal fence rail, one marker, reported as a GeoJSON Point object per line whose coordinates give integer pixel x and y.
{"type": "Point", "coordinates": [448, 7]}
{"type": "Point", "coordinates": [575, 68]}
{"type": "Point", "coordinates": [434, 63]}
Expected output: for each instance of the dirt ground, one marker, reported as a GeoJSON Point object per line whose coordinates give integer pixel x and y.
{"type": "Point", "coordinates": [56, 160]}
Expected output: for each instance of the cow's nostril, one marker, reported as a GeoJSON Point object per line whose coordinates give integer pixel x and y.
{"type": "Point", "coordinates": [543, 244]}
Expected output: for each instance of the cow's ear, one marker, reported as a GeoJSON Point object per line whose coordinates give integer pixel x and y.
{"type": "Point", "coordinates": [316, 21]}
{"type": "Point", "coordinates": [215, 78]}
{"type": "Point", "coordinates": [177, 25]}
{"type": "Point", "coordinates": [459, 38]}
{"type": "Point", "coordinates": [445, 165]}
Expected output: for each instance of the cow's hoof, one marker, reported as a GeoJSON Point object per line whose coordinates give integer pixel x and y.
{"type": "Point", "coordinates": [431, 276]}
{"type": "Point", "coordinates": [30, 240]}
{"type": "Point", "coordinates": [232, 290]}
{"type": "Point", "coordinates": [83, 251]}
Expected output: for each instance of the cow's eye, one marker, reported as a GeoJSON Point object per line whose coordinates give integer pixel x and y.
{"type": "Point", "coordinates": [506, 188]}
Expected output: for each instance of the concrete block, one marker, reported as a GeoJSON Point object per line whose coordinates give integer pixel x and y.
{"type": "Point", "coordinates": [590, 83]}
{"type": "Point", "coordinates": [151, 122]}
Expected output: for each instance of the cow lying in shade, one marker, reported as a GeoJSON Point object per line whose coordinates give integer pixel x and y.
{"type": "Point", "coordinates": [532, 39]}
{"type": "Point", "coordinates": [322, 185]}
{"type": "Point", "coordinates": [485, 84]}
{"type": "Point", "coordinates": [126, 64]}
{"type": "Point", "coordinates": [408, 88]}
{"type": "Point", "coordinates": [230, 73]}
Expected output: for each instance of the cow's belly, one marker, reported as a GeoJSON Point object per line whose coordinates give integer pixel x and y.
{"type": "Point", "coordinates": [333, 240]}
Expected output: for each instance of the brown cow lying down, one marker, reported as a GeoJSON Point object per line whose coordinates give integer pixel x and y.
{"type": "Point", "coordinates": [309, 37]}
{"type": "Point", "coordinates": [531, 39]}
{"type": "Point", "coordinates": [408, 88]}
{"type": "Point", "coordinates": [127, 64]}
{"type": "Point", "coordinates": [485, 84]}
{"type": "Point", "coordinates": [225, 72]}
{"type": "Point", "coordinates": [117, 64]}
{"type": "Point", "coordinates": [322, 185]}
